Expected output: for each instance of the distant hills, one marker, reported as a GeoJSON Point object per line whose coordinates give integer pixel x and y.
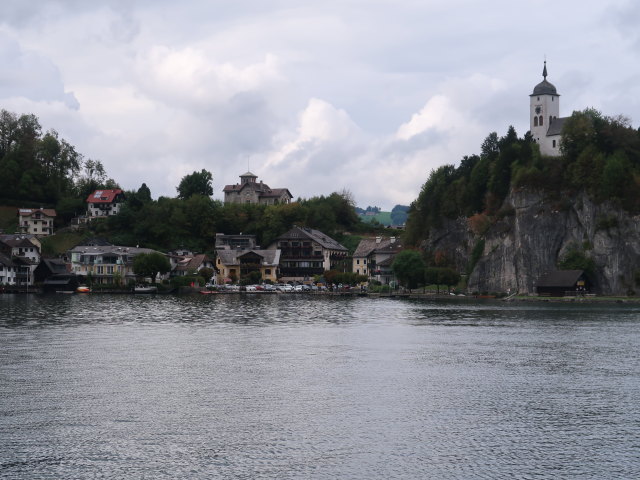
{"type": "Point", "coordinates": [396, 217]}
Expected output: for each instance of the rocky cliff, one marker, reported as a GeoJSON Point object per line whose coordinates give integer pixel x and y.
{"type": "Point", "coordinates": [531, 234]}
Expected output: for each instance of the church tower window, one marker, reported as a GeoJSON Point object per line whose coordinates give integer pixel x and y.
{"type": "Point", "coordinates": [540, 120]}
{"type": "Point", "coordinates": [535, 121]}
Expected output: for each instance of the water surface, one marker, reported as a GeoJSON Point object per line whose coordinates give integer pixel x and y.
{"type": "Point", "coordinates": [295, 386]}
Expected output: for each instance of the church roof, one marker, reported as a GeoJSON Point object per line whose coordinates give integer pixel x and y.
{"type": "Point", "coordinates": [248, 174]}
{"type": "Point", "coordinates": [556, 126]}
{"type": "Point", "coordinates": [544, 87]}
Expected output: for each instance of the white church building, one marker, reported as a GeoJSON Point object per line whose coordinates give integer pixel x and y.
{"type": "Point", "coordinates": [544, 111]}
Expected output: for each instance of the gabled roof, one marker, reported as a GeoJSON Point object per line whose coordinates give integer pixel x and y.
{"type": "Point", "coordinates": [560, 278]}
{"type": "Point", "coordinates": [276, 192]}
{"type": "Point", "coordinates": [194, 262]}
{"type": "Point", "coordinates": [315, 235]}
{"type": "Point", "coordinates": [17, 241]}
{"type": "Point", "coordinates": [27, 212]}
{"type": "Point", "coordinates": [55, 265]}
{"type": "Point", "coordinates": [232, 257]}
{"type": "Point", "coordinates": [556, 126]}
{"type": "Point", "coordinates": [368, 245]}
{"type": "Point", "coordinates": [113, 249]}
{"type": "Point", "coordinates": [104, 196]}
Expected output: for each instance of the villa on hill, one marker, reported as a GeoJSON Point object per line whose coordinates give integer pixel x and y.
{"type": "Point", "coordinates": [249, 190]}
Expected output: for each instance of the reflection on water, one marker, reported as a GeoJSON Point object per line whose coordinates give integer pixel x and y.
{"type": "Point", "coordinates": [290, 386]}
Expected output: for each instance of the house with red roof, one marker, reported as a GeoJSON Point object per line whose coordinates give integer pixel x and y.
{"type": "Point", "coordinates": [103, 203]}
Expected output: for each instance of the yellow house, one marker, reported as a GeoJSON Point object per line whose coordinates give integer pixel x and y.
{"type": "Point", "coordinates": [232, 265]}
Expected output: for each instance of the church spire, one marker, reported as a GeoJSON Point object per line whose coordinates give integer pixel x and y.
{"type": "Point", "coordinates": [544, 71]}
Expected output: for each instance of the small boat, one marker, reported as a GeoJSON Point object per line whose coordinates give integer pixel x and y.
{"type": "Point", "coordinates": [207, 292]}
{"type": "Point", "coordinates": [145, 289]}
{"type": "Point", "coordinates": [83, 289]}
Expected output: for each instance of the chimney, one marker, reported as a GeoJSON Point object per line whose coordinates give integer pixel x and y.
{"type": "Point", "coordinates": [378, 239]}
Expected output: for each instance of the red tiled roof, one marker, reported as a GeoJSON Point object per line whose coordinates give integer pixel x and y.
{"type": "Point", "coordinates": [104, 196]}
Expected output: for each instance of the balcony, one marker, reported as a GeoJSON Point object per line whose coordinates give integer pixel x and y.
{"type": "Point", "coordinates": [300, 272]}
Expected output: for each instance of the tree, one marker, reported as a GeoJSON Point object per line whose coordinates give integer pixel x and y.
{"type": "Point", "coordinates": [150, 264]}
{"type": "Point", "coordinates": [197, 183]}
{"type": "Point", "coordinates": [408, 267]}
{"type": "Point", "coordinates": [399, 214]}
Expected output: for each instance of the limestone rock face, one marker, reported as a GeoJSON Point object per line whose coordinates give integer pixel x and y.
{"type": "Point", "coordinates": [533, 233]}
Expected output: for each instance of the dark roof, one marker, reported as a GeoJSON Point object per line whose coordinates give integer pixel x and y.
{"type": "Point", "coordinates": [556, 126]}
{"type": "Point", "coordinates": [94, 242]}
{"type": "Point", "coordinates": [104, 196]}
{"type": "Point", "coordinates": [55, 265]}
{"type": "Point", "coordinates": [16, 241]}
{"type": "Point", "coordinates": [315, 235]}
{"type": "Point", "coordinates": [560, 278]}
{"type": "Point", "coordinates": [544, 88]}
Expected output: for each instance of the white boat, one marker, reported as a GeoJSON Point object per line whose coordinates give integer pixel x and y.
{"type": "Point", "coordinates": [145, 289]}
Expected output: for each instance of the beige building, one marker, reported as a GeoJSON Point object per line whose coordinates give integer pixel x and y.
{"type": "Point", "coordinates": [249, 190]}
{"type": "Point", "coordinates": [36, 221]}
{"type": "Point", "coordinates": [373, 257]}
{"type": "Point", "coordinates": [233, 265]}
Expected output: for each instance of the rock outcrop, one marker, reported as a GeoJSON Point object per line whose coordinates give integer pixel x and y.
{"type": "Point", "coordinates": [532, 233]}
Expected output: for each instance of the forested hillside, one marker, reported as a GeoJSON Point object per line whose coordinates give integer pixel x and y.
{"type": "Point", "coordinates": [42, 169]}
{"type": "Point", "coordinates": [600, 156]}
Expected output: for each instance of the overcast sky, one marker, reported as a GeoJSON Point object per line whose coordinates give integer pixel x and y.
{"type": "Point", "coordinates": [315, 96]}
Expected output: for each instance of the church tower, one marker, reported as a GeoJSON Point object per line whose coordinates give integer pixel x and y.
{"type": "Point", "coordinates": [544, 109]}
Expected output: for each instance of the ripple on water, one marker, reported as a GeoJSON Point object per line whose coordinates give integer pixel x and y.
{"type": "Point", "coordinates": [281, 386]}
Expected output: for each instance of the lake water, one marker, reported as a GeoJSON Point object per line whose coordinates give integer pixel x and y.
{"type": "Point", "coordinates": [303, 387]}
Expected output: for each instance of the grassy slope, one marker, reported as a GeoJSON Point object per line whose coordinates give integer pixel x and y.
{"type": "Point", "coordinates": [61, 242]}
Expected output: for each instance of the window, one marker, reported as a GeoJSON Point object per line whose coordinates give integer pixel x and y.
{"type": "Point", "coordinates": [550, 119]}
{"type": "Point", "coordinates": [267, 271]}
{"type": "Point", "coordinates": [357, 262]}
{"type": "Point", "coordinates": [541, 120]}
{"type": "Point", "coordinates": [535, 121]}
{"type": "Point", "coordinates": [554, 144]}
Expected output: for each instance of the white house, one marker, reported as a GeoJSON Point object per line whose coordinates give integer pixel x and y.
{"type": "Point", "coordinates": [105, 263]}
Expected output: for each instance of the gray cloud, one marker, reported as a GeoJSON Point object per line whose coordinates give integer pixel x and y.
{"type": "Point", "coordinates": [313, 96]}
